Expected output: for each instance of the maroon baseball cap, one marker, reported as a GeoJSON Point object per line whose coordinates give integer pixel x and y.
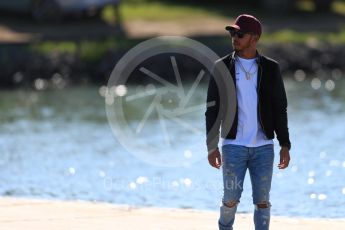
{"type": "Point", "coordinates": [246, 23]}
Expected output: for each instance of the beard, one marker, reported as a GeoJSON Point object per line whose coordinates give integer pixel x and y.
{"type": "Point", "coordinates": [236, 48]}
{"type": "Point", "coordinates": [240, 47]}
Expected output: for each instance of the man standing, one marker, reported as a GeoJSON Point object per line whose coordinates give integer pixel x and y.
{"type": "Point", "coordinates": [261, 111]}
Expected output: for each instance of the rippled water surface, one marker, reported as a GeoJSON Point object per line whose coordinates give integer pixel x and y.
{"type": "Point", "coordinates": [58, 144]}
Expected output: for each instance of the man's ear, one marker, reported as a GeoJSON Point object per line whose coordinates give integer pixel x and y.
{"type": "Point", "coordinates": [256, 37]}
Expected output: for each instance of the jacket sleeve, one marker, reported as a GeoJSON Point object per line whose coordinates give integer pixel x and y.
{"type": "Point", "coordinates": [211, 114]}
{"type": "Point", "coordinates": [280, 110]}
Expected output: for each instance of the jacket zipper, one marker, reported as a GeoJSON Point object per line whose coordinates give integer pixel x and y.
{"type": "Point", "coordinates": [262, 125]}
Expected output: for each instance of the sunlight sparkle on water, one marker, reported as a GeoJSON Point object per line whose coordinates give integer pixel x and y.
{"type": "Point", "coordinates": [121, 90]}
{"type": "Point", "coordinates": [316, 83]}
{"type": "Point", "coordinates": [175, 183]}
{"type": "Point", "coordinates": [109, 100]}
{"type": "Point", "coordinates": [330, 85]}
{"type": "Point", "coordinates": [142, 180]}
{"type": "Point", "coordinates": [40, 84]}
{"type": "Point", "coordinates": [299, 75]}
{"type": "Point", "coordinates": [101, 173]}
{"type": "Point", "coordinates": [311, 180]}
{"type": "Point", "coordinates": [322, 196]}
{"type": "Point", "coordinates": [71, 170]}
{"type": "Point", "coordinates": [58, 81]}
{"type": "Point", "coordinates": [188, 154]}
{"type": "Point", "coordinates": [102, 91]}
{"type": "Point", "coordinates": [187, 182]}
{"type": "Point", "coordinates": [336, 74]}
{"type": "Point", "coordinates": [132, 185]}
{"type": "Point", "coordinates": [150, 89]}
{"type": "Point", "coordinates": [312, 196]}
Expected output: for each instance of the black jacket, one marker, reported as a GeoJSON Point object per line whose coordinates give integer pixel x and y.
{"type": "Point", "coordinates": [272, 104]}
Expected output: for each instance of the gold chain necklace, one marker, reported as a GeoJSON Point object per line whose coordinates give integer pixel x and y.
{"type": "Point", "coordinates": [247, 73]}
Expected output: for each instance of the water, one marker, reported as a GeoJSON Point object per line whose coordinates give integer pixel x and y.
{"type": "Point", "coordinates": [59, 145]}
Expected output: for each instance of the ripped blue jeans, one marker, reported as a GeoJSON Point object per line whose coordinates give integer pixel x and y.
{"type": "Point", "coordinates": [236, 160]}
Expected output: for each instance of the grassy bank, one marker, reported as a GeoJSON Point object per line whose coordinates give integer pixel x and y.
{"type": "Point", "coordinates": [158, 11]}
{"type": "Point", "coordinates": [134, 10]}
{"type": "Point", "coordinates": [163, 10]}
{"type": "Point", "coordinates": [290, 36]}
{"type": "Point", "coordinates": [87, 50]}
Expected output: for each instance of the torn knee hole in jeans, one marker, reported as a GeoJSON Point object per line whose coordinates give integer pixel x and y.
{"type": "Point", "coordinates": [263, 205]}
{"type": "Point", "coordinates": [230, 204]}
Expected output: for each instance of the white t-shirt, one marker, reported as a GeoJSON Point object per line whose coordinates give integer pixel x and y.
{"type": "Point", "coordinates": [249, 131]}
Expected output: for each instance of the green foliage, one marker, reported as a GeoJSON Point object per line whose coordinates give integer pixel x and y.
{"type": "Point", "coordinates": [284, 36]}
{"type": "Point", "coordinates": [156, 11]}
{"type": "Point", "coordinates": [93, 50]}
{"type": "Point", "coordinates": [46, 47]}
{"type": "Point", "coordinates": [87, 50]}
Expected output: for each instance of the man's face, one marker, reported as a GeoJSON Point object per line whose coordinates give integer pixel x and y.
{"type": "Point", "coordinates": [242, 41]}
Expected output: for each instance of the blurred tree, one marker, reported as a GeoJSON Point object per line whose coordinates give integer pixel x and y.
{"type": "Point", "coordinates": [323, 5]}
{"type": "Point", "coordinates": [270, 5]}
{"type": "Point", "coordinates": [277, 5]}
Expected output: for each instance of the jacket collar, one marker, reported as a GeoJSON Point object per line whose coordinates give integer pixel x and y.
{"type": "Point", "coordinates": [233, 57]}
{"type": "Point", "coordinates": [232, 66]}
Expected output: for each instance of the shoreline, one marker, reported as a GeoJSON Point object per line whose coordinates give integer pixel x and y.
{"type": "Point", "coordinates": [25, 213]}
{"type": "Point", "coordinates": [57, 69]}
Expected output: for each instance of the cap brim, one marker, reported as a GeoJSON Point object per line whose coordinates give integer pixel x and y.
{"type": "Point", "coordinates": [232, 27]}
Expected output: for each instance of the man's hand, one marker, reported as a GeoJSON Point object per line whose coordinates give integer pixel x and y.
{"type": "Point", "coordinates": [215, 159]}
{"type": "Point", "coordinates": [284, 158]}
